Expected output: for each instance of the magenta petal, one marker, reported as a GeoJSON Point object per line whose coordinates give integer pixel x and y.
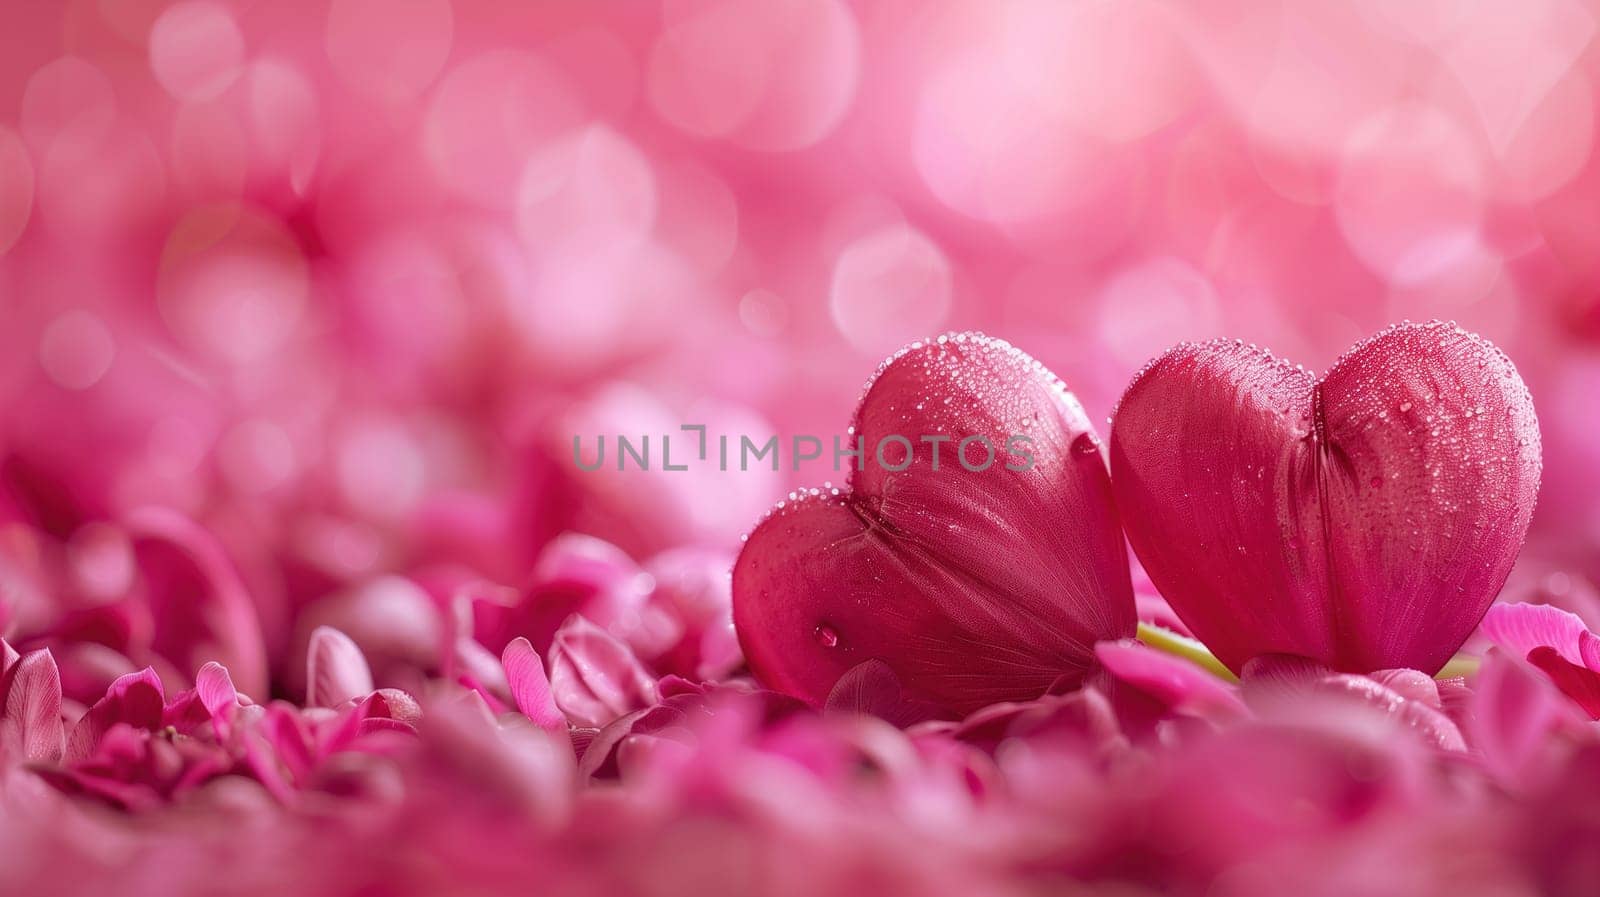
{"type": "Point", "coordinates": [1520, 628]}
{"type": "Point", "coordinates": [872, 688]}
{"type": "Point", "coordinates": [1589, 650]}
{"type": "Point", "coordinates": [972, 586]}
{"type": "Point", "coordinates": [1366, 520]}
{"type": "Point", "coordinates": [1173, 681]}
{"type": "Point", "coordinates": [336, 670]}
{"type": "Point", "coordinates": [1273, 684]}
{"type": "Point", "coordinates": [136, 699]}
{"type": "Point", "coordinates": [200, 606]}
{"type": "Point", "coordinates": [594, 677]}
{"type": "Point", "coordinates": [32, 710]}
{"type": "Point", "coordinates": [1514, 712]}
{"type": "Point", "coordinates": [530, 687]}
{"type": "Point", "coordinates": [575, 574]}
{"type": "Point", "coordinates": [217, 695]}
{"type": "Point", "coordinates": [1413, 685]}
{"type": "Point", "coordinates": [1579, 683]}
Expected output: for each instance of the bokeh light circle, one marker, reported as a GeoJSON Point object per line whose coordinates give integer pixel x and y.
{"type": "Point", "coordinates": [392, 49]}
{"type": "Point", "coordinates": [1410, 193]}
{"type": "Point", "coordinates": [889, 287]}
{"type": "Point", "coordinates": [77, 349]}
{"type": "Point", "coordinates": [233, 283]}
{"type": "Point", "coordinates": [196, 50]}
{"type": "Point", "coordinates": [489, 116]}
{"type": "Point", "coordinates": [774, 76]}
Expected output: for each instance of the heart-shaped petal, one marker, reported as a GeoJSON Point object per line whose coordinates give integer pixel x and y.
{"type": "Point", "coordinates": [1365, 520]}
{"type": "Point", "coordinates": [973, 582]}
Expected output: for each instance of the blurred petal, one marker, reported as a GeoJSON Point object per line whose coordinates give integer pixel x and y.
{"type": "Point", "coordinates": [136, 700]}
{"type": "Point", "coordinates": [530, 687]}
{"type": "Point", "coordinates": [336, 671]}
{"type": "Point", "coordinates": [594, 677]}
{"type": "Point", "coordinates": [1173, 681]}
{"type": "Point", "coordinates": [1580, 683]}
{"type": "Point", "coordinates": [1284, 686]}
{"type": "Point", "coordinates": [873, 689]}
{"type": "Point", "coordinates": [216, 691]}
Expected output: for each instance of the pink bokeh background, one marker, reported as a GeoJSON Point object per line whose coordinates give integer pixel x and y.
{"type": "Point", "coordinates": [341, 280]}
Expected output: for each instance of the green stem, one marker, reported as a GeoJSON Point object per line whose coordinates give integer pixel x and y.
{"type": "Point", "coordinates": [1169, 642]}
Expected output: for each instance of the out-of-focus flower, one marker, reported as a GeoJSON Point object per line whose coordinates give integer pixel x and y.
{"type": "Point", "coordinates": [1000, 574]}
{"type": "Point", "coordinates": [594, 677]}
{"type": "Point", "coordinates": [1293, 688]}
{"type": "Point", "coordinates": [575, 574]}
{"type": "Point", "coordinates": [1380, 507]}
{"type": "Point", "coordinates": [157, 589]}
{"type": "Point", "coordinates": [694, 586]}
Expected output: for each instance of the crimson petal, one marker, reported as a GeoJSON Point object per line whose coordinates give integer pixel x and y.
{"type": "Point", "coordinates": [1365, 520]}
{"type": "Point", "coordinates": [971, 586]}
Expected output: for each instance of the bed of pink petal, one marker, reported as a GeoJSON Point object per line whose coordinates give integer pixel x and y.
{"type": "Point", "coordinates": [303, 303]}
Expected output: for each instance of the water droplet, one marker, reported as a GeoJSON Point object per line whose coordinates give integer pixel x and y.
{"type": "Point", "coordinates": [826, 637]}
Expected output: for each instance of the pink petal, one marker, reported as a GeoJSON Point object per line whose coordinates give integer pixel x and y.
{"type": "Point", "coordinates": [576, 574]}
{"type": "Point", "coordinates": [1514, 712]}
{"type": "Point", "coordinates": [972, 586]}
{"type": "Point", "coordinates": [1085, 715]}
{"type": "Point", "coordinates": [336, 671]}
{"type": "Point", "coordinates": [1171, 680]}
{"type": "Point", "coordinates": [200, 606]}
{"type": "Point", "coordinates": [1366, 520]}
{"type": "Point", "coordinates": [1520, 628]}
{"type": "Point", "coordinates": [1278, 684]}
{"type": "Point", "coordinates": [1589, 650]}
{"type": "Point", "coordinates": [694, 596]}
{"type": "Point", "coordinates": [594, 677]}
{"type": "Point", "coordinates": [1155, 610]}
{"type": "Point", "coordinates": [135, 699]}
{"type": "Point", "coordinates": [873, 689]}
{"type": "Point", "coordinates": [1579, 683]}
{"type": "Point", "coordinates": [395, 704]}
{"type": "Point", "coordinates": [32, 689]}
{"type": "Point", "coordinates": [530, 688]}
{"type": "Point", "coordinates": [217, 694]}
{"type": "Point", "coordinates": [1413, 685]}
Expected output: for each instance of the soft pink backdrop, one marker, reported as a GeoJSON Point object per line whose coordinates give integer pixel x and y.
{"type": "Point", "coordinates": [342, 279]}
